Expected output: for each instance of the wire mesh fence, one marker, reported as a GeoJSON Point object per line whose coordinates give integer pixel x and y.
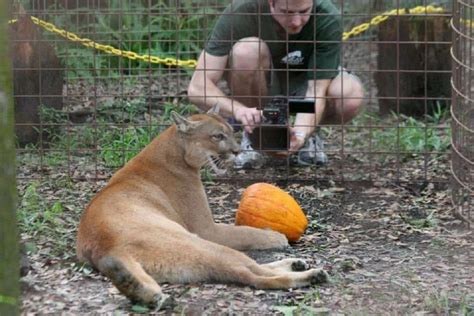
{"type": "Point", "coordinates": [463, 108]}
{"type": "Point", "coordinates": [106, 78]}
{"type": "Point", "coordinates": [96, 80]}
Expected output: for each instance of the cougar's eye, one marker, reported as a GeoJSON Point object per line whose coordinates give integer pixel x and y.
{"type": "Point", "coordinates": [218, 137]}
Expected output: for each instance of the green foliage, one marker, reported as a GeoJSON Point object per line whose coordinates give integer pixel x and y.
{"type": "Point", "coordinates": [120, 145]}
{"type": "Point", "coordinates": [140, 309]}
{"type": "Point", "coordinates": [364, 6]}
{"type": "Point", "coordinates": [303, 306]}
{"type": "Point", "coordinates": [118, 132]}
{"type": "Point", "coordinates": [182, 109]}
{"type": "Point", "coordinates": [442, 302]}
{"type": "Point", "coordinates": [410, 136]}
{"type": "Point", "coordinates": [162, 29]}
{"type": "Point", "coordinates": [401, 135]}
{"type": "Point", "coordinates": [425, 222]}
{"type": "Point", "coordinates": [36, 215]}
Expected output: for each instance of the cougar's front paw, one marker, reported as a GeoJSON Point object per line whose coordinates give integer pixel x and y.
{"type": "Point", "coordinates": [276, 240]}
{"type": "Point", "coordinates": [299, 265]}
{"type": "Point", "coordinates": [319, 276]}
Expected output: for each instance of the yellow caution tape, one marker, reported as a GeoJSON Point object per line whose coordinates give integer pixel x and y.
{"type": "Point", "coordinates": [376, 20]}
{"type": "Point", "coordinates": [191, 63]}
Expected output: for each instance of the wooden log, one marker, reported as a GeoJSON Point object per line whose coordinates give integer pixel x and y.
{"type": "Point", "coordinates": [420, 64]}
{"type": "Point", "coordinates": [37, 79]}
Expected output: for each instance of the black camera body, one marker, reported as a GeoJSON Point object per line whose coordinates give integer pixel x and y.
{"type": "Point", "coordinates": [273, 133]}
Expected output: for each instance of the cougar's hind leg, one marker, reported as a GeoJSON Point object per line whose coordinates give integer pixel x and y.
{"type": "Point", "coordinates": [131, 280]}
{"type": "Point", "coordinates": [291, 264]}
{"type": "Point", "coordinates": [286, 273]}
{"type": "Point", "coordinates": [213, 262]}
{"type": "Point", "coordinates": [283, 280]}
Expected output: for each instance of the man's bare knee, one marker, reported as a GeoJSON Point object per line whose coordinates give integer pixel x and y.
{"type": "Point", "coordinates": [250, 53]}
{"type": "Point", "coordinates": [346, 86]}
{"type": "Point", "coordinates": [346, 94]}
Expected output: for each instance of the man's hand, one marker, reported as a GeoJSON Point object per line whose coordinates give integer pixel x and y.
{"type": "Point", "coordinates": [249, 117]}
{"type": "Point", "coordinates": [297, 140]}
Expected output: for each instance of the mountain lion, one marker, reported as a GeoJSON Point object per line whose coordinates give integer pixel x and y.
{"type": "Point", "coordinates": [152, 222]}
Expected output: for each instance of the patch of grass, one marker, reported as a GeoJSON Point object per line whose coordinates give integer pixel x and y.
{"type": "Point", "coordinates": [45, 219]}
{"type": "Point", "coordinates": [161, 28]}
{"type": "Point", "coordinates": [426, 222]}
{"type": "Point", "coordinates": [207, 176]}
{"type": "Point", "coordinates": [304, 306]}
{"type": "Point", "coordinates": [118, 146]}
{"type": "Point", "coordinates": [399, 134]}
{"type": "Point", "coordinates": [410, 137]}
{"type": "Point", "coordinates": [37, 215]}
{"type": "Point", "coordinates": [182, 109]}
{"type": "Point", "coordinates": [113, 133]}
{"type": "Point", "coordinates": [449, 303]}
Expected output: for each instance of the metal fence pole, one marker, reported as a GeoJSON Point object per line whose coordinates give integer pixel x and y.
{"type": "Point", "coordinates": [9, 263]}
{"type": "Point", "coordinates": [462, 109]}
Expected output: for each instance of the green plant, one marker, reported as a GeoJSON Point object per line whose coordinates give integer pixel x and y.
{"type": "Point", "coordinates": [161, 29]}
{"type": "Point", "coordinates": [440, 113]}
{"type": "Point", "coordinates": [411, 136]}
{"type": "Point", "coordinates": [427, 222]}
{"type": "Point", "coordinates": [118, 146]}
{"type": "Point", "coordinates": [449, 303]}
{"type": "Point", "coordinates": [400, 134]}
{"type": "Point", "coordinates": [182, 109]}
{"type": "Point", "coordinates": [36, 214]}
{"type": "Point", "coordinates": [207, 176]}
{"type": "Point", "coordinates": [304, 306]}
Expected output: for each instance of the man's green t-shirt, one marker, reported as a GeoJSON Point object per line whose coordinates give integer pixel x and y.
{"type": "Point", "coordinates": [315, 50]}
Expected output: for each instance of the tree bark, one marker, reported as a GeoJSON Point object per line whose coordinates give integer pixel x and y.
{"type": "Point", "coordinates": [9, 262]}
{"type": "Point", "coordinates": [414, 67]}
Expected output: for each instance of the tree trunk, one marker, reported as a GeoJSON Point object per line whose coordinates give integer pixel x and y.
{"type": "Point", "coordinates": [38, 81]}
{"type": "Point", "coordinates": [414, 67]}
{"type": "Point", "coordinates": [9, 262]}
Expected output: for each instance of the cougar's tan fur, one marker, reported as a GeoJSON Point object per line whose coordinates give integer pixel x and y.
{"type": "Point", "coordinates": [152, 222]}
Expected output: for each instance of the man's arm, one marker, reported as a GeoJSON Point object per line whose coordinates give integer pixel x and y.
{"type": "Point", "coordinates": [204, 92]}
{"type": "Point", "coordinates": [305, 123]}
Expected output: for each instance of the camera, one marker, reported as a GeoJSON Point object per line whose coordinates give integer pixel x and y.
{"type": "Point", "coordinates": [273, 133]}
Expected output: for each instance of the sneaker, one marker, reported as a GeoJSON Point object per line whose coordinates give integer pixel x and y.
{"type": "Point", "coordinates": [312, 153]}
{"type": "Point", "coordinates": [248, 158]}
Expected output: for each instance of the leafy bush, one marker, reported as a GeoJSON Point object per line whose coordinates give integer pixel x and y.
{"type": "Point", "coordinates": [161, 29]}
{"type": "Point", "coordinates": [35, 213]}
{"type": "Point", "coordinates": [400, 134]}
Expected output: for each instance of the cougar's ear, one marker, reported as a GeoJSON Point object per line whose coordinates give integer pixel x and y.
{"type": "Point", "coordinates": [184, 125]}
{"type": "Point", "coordinates": [214, 110]}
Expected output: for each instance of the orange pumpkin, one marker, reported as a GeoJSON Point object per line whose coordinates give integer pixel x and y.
{"type": "Point", "coordinates": [266, 206]}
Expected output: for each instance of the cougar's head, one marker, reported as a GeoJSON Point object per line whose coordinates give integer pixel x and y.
{"type": "Point", "coordinates": [207, 139]}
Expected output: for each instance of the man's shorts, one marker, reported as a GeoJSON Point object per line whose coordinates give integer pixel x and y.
{"type": "Point", "coordinates": [292, 84]}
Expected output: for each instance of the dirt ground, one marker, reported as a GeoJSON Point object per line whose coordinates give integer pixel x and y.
{"type": "Point", "coordinates": [389, 249]}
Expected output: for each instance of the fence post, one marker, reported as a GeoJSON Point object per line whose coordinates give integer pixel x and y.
{"type": "Point", "coordinates": [462, 110]}
{"type": "Point", "coordinates": [9, 259]}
